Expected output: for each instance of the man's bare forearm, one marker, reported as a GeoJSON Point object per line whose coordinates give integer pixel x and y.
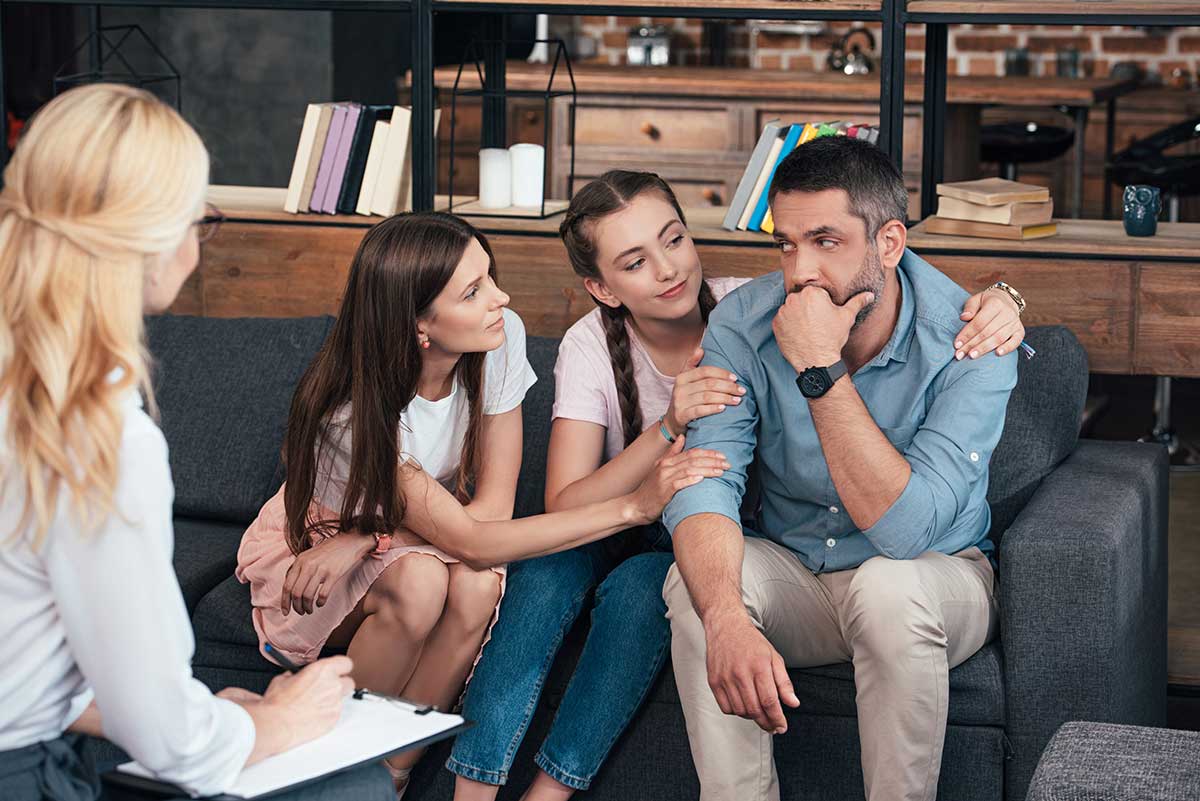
{"type": "Point", "coordinates": [868, 473]}
{"type": "Point", "coordinates": [708, 550]}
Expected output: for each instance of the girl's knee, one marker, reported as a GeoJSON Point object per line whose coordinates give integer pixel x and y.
{"type": "Point", "coordinates": [472, 596]}
{"type": "Point", "coordinates": [411, 592]}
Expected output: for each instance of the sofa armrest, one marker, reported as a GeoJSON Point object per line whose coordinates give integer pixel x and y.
{"type": "Point", "coordinates": [1083, 608]}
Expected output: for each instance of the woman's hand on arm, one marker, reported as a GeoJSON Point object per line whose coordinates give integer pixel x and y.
{"type": "Point", "coordinates": [574, 476]}
{"type": "Point", "coordinates": [500, 443]}
{"type": "Point", "coordinates": [699, 392]}
{"type": "Point", "coordinates": [434, 514]}
{"type": "Point", "coordinates": [993, 324]}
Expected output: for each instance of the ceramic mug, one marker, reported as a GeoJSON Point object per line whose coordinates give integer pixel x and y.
{"type": "Point", "coordinates": [1142, 206]}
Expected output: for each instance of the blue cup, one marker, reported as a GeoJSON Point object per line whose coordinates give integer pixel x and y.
{"type": "Point", "coordinates": [1142, 206]}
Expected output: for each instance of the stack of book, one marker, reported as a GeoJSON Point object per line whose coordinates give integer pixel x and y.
{"type": "Point", "coordinates": [749, 210]}
{"type": "Point", "coordinates": [993, 208]}
{"type": "Point", "coordinates": [353, 159]}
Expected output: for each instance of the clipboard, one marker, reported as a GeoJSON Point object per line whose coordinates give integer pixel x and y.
{"type": "Point", "coordinates": [354, 737]}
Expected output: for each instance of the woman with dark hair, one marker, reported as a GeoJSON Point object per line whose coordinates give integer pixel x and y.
{"type": "Point", "coordinates": [627, 384]}
{"type": "Point", "coordinates": [390, 534]}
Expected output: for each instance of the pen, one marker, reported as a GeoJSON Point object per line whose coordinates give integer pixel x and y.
{"type": "Point", "coordinates": [277, 655]}
{"type": "Point", "coordinates": [359, 692]}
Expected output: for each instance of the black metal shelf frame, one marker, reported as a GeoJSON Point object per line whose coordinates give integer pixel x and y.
{"type": "Point", "coordinates": [936, 45]}
{"type": "Point", "coordinates": [892, 15]}
{"type": "Point", "coordinates": [891, 86]}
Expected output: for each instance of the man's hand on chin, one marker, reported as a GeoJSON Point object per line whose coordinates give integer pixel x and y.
{"type": "Point", "coordinates": [811, 329]}
{"type": "Point", "coordinates": [746, 674]}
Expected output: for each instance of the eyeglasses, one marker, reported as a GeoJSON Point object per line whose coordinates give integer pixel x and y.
{"type": "Point", "coordinates": [209, 224]}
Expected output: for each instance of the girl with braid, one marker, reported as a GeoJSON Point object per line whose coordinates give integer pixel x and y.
{"type": "Point", "coordinates": [628, 382]}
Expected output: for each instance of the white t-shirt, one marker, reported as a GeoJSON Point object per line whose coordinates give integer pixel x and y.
{"type": "Point", "coordinates": [585, 389]}
{"type": "Point", "coordinates": [432, 432]}
{"type": "Point", "coordinates": [101, 613]}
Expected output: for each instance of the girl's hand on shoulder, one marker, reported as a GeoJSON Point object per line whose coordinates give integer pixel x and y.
{"type": "Point", "coordinates": [675, 470]}
{"type": "Point", "coordinates": [993, 324]}
{"type": "Point", "coordinates": [313, 573]}
{"type": "Point", "coordinates": [699, 392]}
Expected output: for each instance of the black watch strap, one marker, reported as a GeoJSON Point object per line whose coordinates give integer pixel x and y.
{"type": "Point", "coordinates": [816, 381]}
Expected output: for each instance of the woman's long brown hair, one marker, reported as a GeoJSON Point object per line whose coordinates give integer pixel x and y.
{"type": "Point", "coordinates": [372, 360]}
{"type": "Point", "coordinates": [611, 192]}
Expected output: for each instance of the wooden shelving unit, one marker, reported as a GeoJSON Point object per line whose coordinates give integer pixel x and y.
{"type": "Point", "coordinates": [1072, 12]}
{"type": "Point", "coordinates": [779, 9]}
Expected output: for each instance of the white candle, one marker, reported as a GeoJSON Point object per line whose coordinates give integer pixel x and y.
{"type": "Point", "coordinates": [495, 178]}
{"type": "Point", "coordinates": [528, 164]}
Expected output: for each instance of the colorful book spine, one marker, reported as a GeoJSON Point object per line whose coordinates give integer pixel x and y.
{"type": "Point", "coordinates": [325, 169]}
{"type": "Point", "coordinates": [745, 187]}
{"type": "Point", "coordinates": [789, 144]}
{"type": "Point", "coordinates": [341, 158]}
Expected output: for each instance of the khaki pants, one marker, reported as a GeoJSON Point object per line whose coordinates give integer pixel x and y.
{"type": "Point", "coordinates": [903, 623]}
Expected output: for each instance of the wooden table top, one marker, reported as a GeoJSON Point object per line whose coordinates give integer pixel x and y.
{"type": "Point", "coordinates": [1078, 238]}
{"type": "Point", "coordinates": [792, 84]}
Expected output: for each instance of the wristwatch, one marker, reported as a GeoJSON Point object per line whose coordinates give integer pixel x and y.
{"type": "Point", "coordinates": [1012, 293]}
{"type": "Point", "coordinates": [816, 381]}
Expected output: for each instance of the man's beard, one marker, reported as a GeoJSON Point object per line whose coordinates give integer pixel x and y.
{"type": "Point", "coordinates": [869, 279]}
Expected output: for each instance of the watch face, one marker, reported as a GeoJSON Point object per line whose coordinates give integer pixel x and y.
{"type": "Point", "coordinates": [813, 383]}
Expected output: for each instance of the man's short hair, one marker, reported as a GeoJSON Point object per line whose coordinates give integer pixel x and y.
{"type": "Point", "coordinates": [862, 170]}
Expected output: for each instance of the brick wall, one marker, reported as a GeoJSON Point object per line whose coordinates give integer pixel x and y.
{"type": "Point", "coordinates": [974, 49]}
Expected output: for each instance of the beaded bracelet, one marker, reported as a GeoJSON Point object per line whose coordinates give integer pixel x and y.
{"type": "Point", "coordinates": [662, 426]}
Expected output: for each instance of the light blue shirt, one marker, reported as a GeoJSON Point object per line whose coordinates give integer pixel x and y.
{"type": "Point", "coordinates": [944, 416]}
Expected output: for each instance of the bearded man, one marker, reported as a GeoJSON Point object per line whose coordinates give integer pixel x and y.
{"type": "Point", "coordinates": [871, 443]}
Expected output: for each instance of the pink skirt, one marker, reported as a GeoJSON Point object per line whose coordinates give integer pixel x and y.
{"type": "Point", "coordinates": [263, 562]}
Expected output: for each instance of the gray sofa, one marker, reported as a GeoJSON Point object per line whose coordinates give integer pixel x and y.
{"type": "Point", "coordinates": [1082, 542]}
{"type": "Point", "coordinates": [1112, 762]}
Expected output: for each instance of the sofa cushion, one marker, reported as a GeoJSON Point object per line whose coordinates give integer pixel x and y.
{"type": "Point", "coordinates": [1041, 427]}
{"type": "Point", "coordinates": [224, 388]}
{"type": "Point", "coordinates": [1110, 761]}
{"type": "Point", "coordinates": [539, 403]}
{"type": "Point", "coordinates": [223, 615]}
{"type": "Point", "coordinates": [205, 555]}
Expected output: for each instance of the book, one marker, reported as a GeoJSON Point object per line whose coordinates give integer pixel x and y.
{"type": "Point", "coordinates": [760, 183]}
{"type": "Point", "coordinates": [314, 160]}
{"type": "Point", "coordinates": [741, 196]}
{"type": "Point", "coordinates": [994, 192]}
{"type": "Point", "coordinates": [325, 168]}
{"type": "Point", "coordinates": [789, 144]}
{"type": "Point", "coordinates": [341, 158]}
{"type": "Point", "coordinates": [366, 192]}
{"type": "Point", "coordinates": [360, 148]}
{"type": "Point", "coordinates": [1008, 214]}
{"type": "Point", "coordinates": [388, 195]}
{"type": "Point", "coordinates": [308, 135]}
{"type": "Point", "coordinates": [940, 225]}
{"type": "Point", "coordinates": [812, 132]}
{"type": "Point", "coordinates": [371, 727]}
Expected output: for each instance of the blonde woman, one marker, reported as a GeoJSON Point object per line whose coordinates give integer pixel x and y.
{"type": "Point", "coordinates": [98, 223]}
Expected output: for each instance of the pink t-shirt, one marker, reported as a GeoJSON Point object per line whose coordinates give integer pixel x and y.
{"type": "Point", "coordinates": [584, 387]}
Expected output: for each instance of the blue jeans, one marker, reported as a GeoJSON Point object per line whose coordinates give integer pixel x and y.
{"type": "Point", "coordinates": [626, 647]}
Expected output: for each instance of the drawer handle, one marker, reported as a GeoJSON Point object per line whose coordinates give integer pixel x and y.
{"type": "Point", "coordinates": [711, 196]}
{"type": "Point", "coordinates": [649, 129]}
{"type": "Point", "coordinates": [531, 117]}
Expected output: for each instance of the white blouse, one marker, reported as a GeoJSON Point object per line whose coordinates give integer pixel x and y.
{"type": "Point", "coordinates": [101, 615]}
